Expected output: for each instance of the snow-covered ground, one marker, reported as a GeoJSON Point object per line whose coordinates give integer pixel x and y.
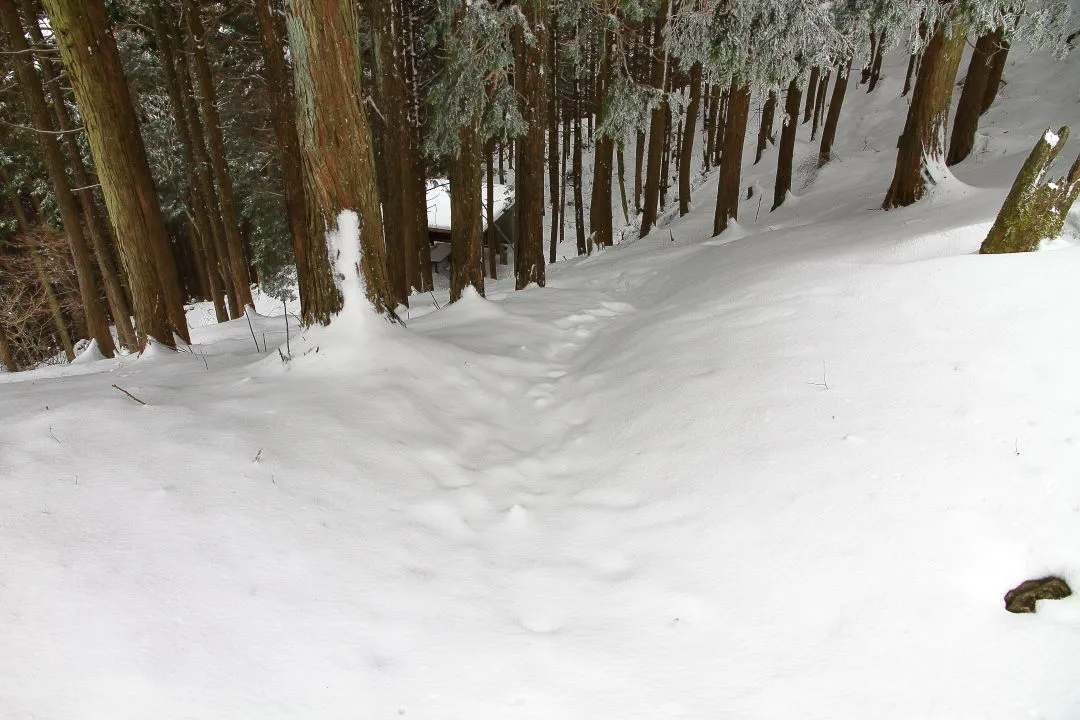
{"type": "Point", "coordinates": [785, 473]}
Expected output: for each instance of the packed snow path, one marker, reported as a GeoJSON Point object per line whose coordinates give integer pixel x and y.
{"type": "Point", "coordinates": [784, 473]}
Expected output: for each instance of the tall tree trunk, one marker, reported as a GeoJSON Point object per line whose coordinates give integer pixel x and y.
{"type": "Point", "coordinates": [492, 239]}
{"type": "Point", "coordinates": [55, 166]}
{"type": "Point", "coordinates": [212, 122]}
{"type": "Point", "coordinates": [200, 213]}
{"type": "Point", "coordinates": [93, 64]}
{"type": "Point", "coordinates": [313, 270]}
{"type": "Point", "coordinates": [819, 103]}
{"type": "Point", "coordinates": [1036, 207]}
{"type": "Point", "coordinates": [785, 159]}
{"type": "Point", "coordinates": [665, 160]}
{"type": "Point", "coordinates": [913, 59]}
{"type": "Point", "coordinates": [689, 133]}
{"type": "Point", "coordinates": [721, 123]}
{"type": "Point", "coordinates": [622, 183]}
{"type": "Point", "coordinates": [969, 107]}
{"type": "Point", "coordinates": [868, 68]}
{"type": "Point", "coordinates": [875, 68]}
{"type": "Point", "coordinates": [418, 259]}
{"type": "Point", "coordinates": [96, 228]}
{"type": "Point", "coordinates": [639, 167]}
{"type": "Point", "coordinates": [335, 137]}
{"type": "Point", "coordinates": [579, 212]}
{"type": "Point", "coordinates": [710, 131]}
{"type": "Point", "coordinates": [832, 119]}
{"type": "Point", "coordinates": [466, 212]}
{"type": "Point", "coordinates": [529, 74]}
{"type": "Point", "coordinates": [811, 91]}
{"type": "Point", "coordinates": [217, 247]}
{"type": "Point", "coordinates": [658, 123]}
{"type": "Point", "coordinates": [553, 131]}
{"type": "Point", "coordinates": [728, 195]}
{"type": "Point", "coordinates": [600, 221]}
{"type": "Point", "coordinates": [389, 74]}
{"type": "Point", "coordinates": [568, 135]}
{"type": "Point", "coordinates": [997, 69]}
{"type": "Point", "coordinates": [765, 129]}
{"type": "Point", "coordinates": [922, 145]}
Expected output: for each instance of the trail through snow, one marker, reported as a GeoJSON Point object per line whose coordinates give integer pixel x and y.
{"type": "Point", "coordinates": [788, 472]}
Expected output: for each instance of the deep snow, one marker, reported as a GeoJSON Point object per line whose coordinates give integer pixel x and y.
{"type": "Point", "coordinates": [789, 472]}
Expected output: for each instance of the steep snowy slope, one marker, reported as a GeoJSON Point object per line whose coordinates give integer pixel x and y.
{"type": "Point", "coordinates": [788, 472]}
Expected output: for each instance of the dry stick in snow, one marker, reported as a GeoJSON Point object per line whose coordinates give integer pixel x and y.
{"type": "Point", "coordinates": [128, 394]}
{"type": "Point", "coordinates": [252, 329]}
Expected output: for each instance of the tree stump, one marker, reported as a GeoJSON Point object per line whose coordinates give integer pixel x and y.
{"type": "Point", "coordinates": [1035, 208]}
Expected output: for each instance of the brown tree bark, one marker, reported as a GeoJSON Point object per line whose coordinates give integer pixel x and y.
{"type": "Point", "coordinates": [583, 247]}
{"type": "Point", "coordinates": [312, 269]}
{"type": "Point", "coordinates": [200, 214]}
{"type": "Point", "coordinates": [34, 96]}
{"type": "Point", "coordinates": [492, 239]}
{"type": "Point", "coordinates": [786, 156]}
{"type": "Point", "coordinates": [832, 119]}
{"type": "Point", "coordinates": [811, 91]}
{"type": "Point", "coordinates": [393, 120]}
{"type": "Point", "coordinates": [600, 220]}
{"type": "Point", "coordinates": [93, 64]}
{"type": "Point", "coordinates": [875, 68]}
{"type": "Point", "coordinates": [997, 69]}
{"type": "Point", "coordinates": [96, 227]}
{"type": "Point", "coordinates": [710, 130]}
{"type": "Point", "coordinates": [765, 129]}
{"type": "Point", "coordinates": [529, 264]}
{"type": "Point", "coordinates": [921, 146]}
{"type": "Point", "coordinates": [689, 133]}
{"type": "Point", "coordinates": [728, 195]}
{"type": "Point", "coordinates": [657, 124]}
{"type": "Point", "coordinates": [418, 247]}
{"type": "Point", "coordinates": [553, 131]}
{"type": "Point", "coordinates": [868, 68]}
{"type": "Point", "coordinates": [913, 59]}
{"type": "Point", "coordinates": [621, 166]}
{"type": "Point", "coordinates": [568, 141]}
{"type": "Point", "coordinates": [639, 169]}
{"type": "Point", "coordinates": [218, 160]}
{"type": "Point", "coordinates": [466, 212]}
{"type": "Point", "coordinates": [819, 103]}
{"type": "Point", "coordinates": [969, 107]}
{"type": "Point", "coordinates": [721, 123]}
{"type": "Point", "coordinates": [665, 161]}
{"type": "Point", "coordinates": [335, 137]}
{"type": "Point", "coordinates": [217, 246]}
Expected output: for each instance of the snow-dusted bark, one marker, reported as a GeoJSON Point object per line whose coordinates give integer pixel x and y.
{"type": "Point", "coordinates": [1035, 208]}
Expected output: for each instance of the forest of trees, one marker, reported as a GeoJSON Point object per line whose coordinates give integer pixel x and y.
{"type": "Point", "coordinates": [157, 152]}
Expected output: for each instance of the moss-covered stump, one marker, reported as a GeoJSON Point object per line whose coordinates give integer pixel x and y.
{"type": "Point", "coordinates": [1035, 208]}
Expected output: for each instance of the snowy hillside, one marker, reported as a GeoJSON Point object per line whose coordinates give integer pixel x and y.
{"type": "Point", "coordinates": [785, 473]}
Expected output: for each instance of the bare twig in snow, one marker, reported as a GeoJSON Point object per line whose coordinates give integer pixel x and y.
{"type": "Point", "coordinates": [252, 329]}
{"type": "Point", "coordinates": [128, 394]}
{"type": "Point", "coordinates": [824, 384]}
